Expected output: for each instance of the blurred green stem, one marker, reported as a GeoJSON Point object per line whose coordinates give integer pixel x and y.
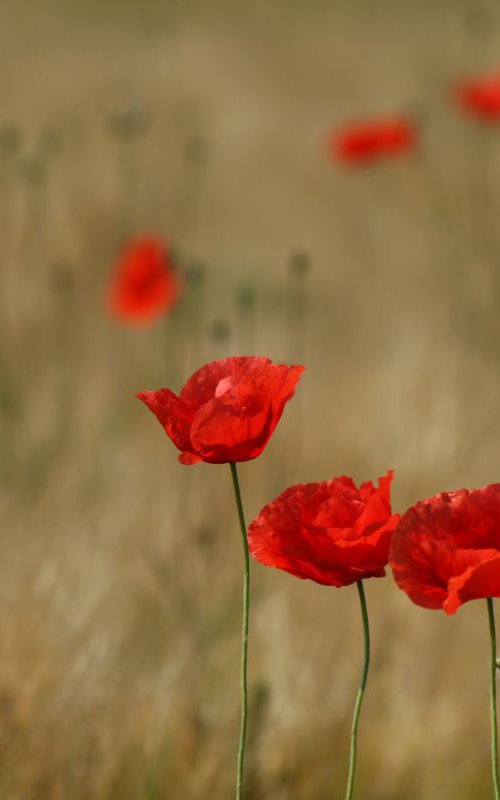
{"type": "Point", "coordinates": [361, 691]}
{"type": "Point", "coordinates": [244, 634]}
{"type": "Point", "coordinates": [493, 698]}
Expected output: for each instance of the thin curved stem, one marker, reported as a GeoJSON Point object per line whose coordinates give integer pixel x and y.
{"type": "Point", "coordinates": [244, 634]}
{"type": "Point", "coordinates": [361, 691]}
{"type": "Point", "coordinates": [493, 698]}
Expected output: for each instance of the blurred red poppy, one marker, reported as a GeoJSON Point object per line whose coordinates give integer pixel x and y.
{"type": "Point", "coordinates": [481, 97]}
{"type": "Point", "coordinates": [373, 140]}
{"type": "Point", "coordinates": [331, 532]}
{"type": "Point", "coordinates": [227, 410]}
{"type": "Point", "coordinates": [446, 550]}
{"type": "Point", "coordinates": [145, 284]}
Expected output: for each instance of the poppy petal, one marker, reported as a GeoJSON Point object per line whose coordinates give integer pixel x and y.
{"type": "Point", "coordinates": [478, 581]}
{"type": "Point", "coordinates": [372, 140]}
{"type": "Point", "coordinates": [172, 415]}
{"type": "Point", "coordinates": [248, 398]}
{"type": "Point", "coordinates": [188, 459]}
{"type": "Point", "coordinates": [480, 97]}
{"type": "Point", "coordinates": [145, 284]}
{"type": "Point", "coordinates": [202, 385]}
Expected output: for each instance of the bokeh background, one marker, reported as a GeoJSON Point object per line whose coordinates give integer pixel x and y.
{"type": "Point", "coordinates": [120, 570]}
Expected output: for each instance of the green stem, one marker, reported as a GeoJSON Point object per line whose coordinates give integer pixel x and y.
{"type": "Point", "coordinates": [493, 699]}
{"type": "Point", "coordinates": [361, 691]}
{"type": "Point", "coordinates": [244, 634]}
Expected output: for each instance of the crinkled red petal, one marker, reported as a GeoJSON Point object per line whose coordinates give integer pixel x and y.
{"type": "Point", "coordinates": [236, 424]}
{"type": "Point", "coordinates": [306, 532]}
{"type": "Point", "coordinates": [172, 414]}
{"type": "Point", "coordinates": [444, 549]}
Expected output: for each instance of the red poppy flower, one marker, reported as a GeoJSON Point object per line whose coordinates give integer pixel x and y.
{"type": "Point", "coordinates": [370, 141]}
{"type": "Point", "coordinates": [145, 284]}
{"type": "Point", "coordinates": [331, 532]}
{"type": "Point", "coordinates": [227, 410]}
{"type": "Point", "coordinates": [446, 550]}
{"type": "Point", "coordinates": [481, 97]}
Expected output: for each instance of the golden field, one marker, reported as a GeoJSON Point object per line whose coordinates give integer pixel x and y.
{"type": "Point", "coordinates": [120, 572]}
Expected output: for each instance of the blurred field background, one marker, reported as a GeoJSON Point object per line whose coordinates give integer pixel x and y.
{"type": "Point", "coordinates": [120, 570]}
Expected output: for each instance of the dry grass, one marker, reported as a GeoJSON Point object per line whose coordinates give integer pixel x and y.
{"type": "Point", "coordinates": [120, 570]}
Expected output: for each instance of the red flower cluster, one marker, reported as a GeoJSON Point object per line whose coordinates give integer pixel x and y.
{"type": "Point", "coordinates": [331, 532]}
{"type": "Point", "coordinates": [446, 550]}
{"type": "Point", "coordinates": [145, 284]}
{"type": "Point", "coordinates": [227, 410]}
{"type": "Point", "coordinates": [481, 97]}
{"type": "Point", "coordinates": [373, 140]}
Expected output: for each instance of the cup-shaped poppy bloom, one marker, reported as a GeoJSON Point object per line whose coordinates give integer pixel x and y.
{"type": "Point", "coordinates": [330, 532]}
{"type": "Point", "coordinates": [370, 141]}
{"type": "Point", "coordinates": [145, 283]}
{"type": "Point", "coordinates": [227, 410]}
{"type": "Point", "coordinates": [480, 97]}
{"type": "Point", "coordinates": [446, 550]}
